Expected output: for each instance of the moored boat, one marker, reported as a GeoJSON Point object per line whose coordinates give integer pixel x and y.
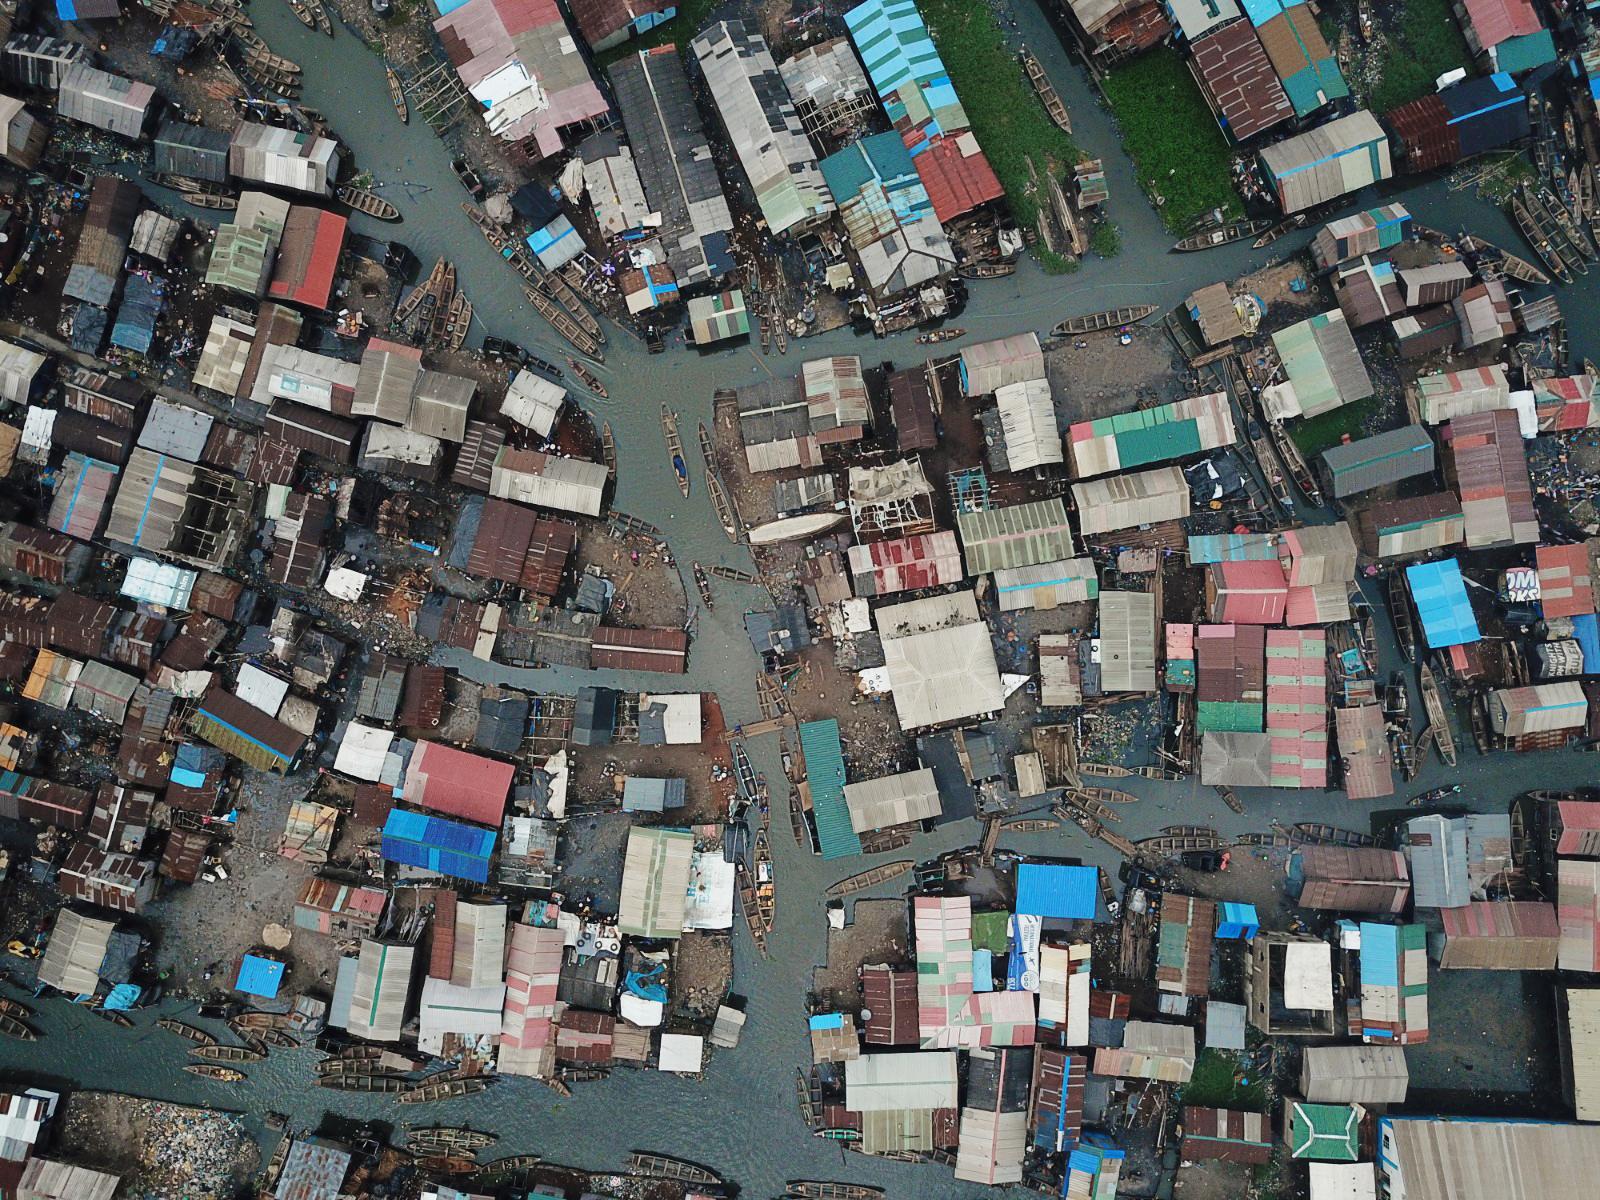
{"type": "Point", "coordinates": [1541, 238]}
{"type": "Point", "coordinates": [448, 1164]}
{"type": "Point", "coordinates": [823, 1189]}
{"type": "Point", "coordinates": [211, 1071]}
{"type": "Point", "coordinates": [1045, 90]}
{"type": "Point", "coordinates": [1405, 628]}
{"type": "Point", "coordinates": [731, 574]}
{"type": "Point", "coordinates": [226, 1054]}
{"type": "Point", "coordinates": [199, 1036]}
{"type": "Point", "coordinates": [1100, 770]}
{"type": "Point", "coordinates": [505, 1166]}
{"type": "Point", "coordinates": [1438, 717]}
{"type": "Point", "coordinates": [319, 16]}
{"type": "Point", "coordinates": [1029, 824]}
{"type": "Point", "coordinates": [302, 11]}
{"type": "Point", "coordinates": [643, 1162]}
{"type": "Point", "coordinates": [12, 1027]}
{"type": "Point", "coordinates": [994, 268]}
{"type": "Point", "coordinates": [608, 448]}
{"type": "Point", "coordinates": [1317, 833]}
{"type": "Point", "coordinates": [452, 1135]}
{"type": "Point", "coordinates": [367, 202]}
{"type": "Point", "coordinates": [588, 378]}
{"type": "Point", "coordinates": [397, 95]}
{"type": "Point", "coordinates": [469, 177]}
{"type": "Point", "coordinates": [364, 1083]}
{"type": "Point", "coordinates": [1110, 318]}
{"type": "Point", "coordinates": [1229, 797]}
{"type": "Point", "coordinates": [722, 505]}
{"type": "Point", "coordinates": [1286, 226]}
{"type": "Point", "coordinates": [934, 336]}
{"type": "Point", "coordinates": [669, 429]}
{"type": "Point", "coordinates": [866, 879]}
{"type": "Point", "coordinates": [1221, 235]}
{"type": "Point", "coordinates": [450, 1089]}
{"type": "Point", "coordinates": [561, 321]}
{"type": "Point", "coordinates": [1103, 795]}
{"type": "Point", "coordinates": [210, 200]}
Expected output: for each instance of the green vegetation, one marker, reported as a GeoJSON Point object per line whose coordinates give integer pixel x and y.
{"type": "Point", "coordinates": [1420, 45]}
{"type": "Point", "coordinates": [1179, 153]}
{"type": "Point", "coordinates": [1106, 239]}
{"type": "Point", "coordinates": [1315, 434]}
{"type": "Point", "coordinates": [1006, 116]}
{"type": "Point", "coordinates": [1213, 1084]}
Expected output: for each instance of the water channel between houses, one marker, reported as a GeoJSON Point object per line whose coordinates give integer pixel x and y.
{"type": "Point", "coordinates": [742, 1119]}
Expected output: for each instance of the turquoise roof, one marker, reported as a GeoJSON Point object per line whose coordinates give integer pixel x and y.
{"type": "Point", "coordinates": [1526, 52]}
{"type": "Point", "coordinates": [905, 67]}
{"type": "Point", "coordinates": [824, 755]}
{"type": "Point", "coordinates": [1442, 603]}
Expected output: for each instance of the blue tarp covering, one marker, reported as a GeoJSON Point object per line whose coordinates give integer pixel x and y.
{"type": "Point", "coordinates": [1380, 955]}
{"type": "Point", "coordinates": [135, 326]}
{"type": "Point", "coordinates": [123, 996]}
{"type": "Point", "coordinates": [448, 847]}
{"type": "Point", "coordinates": [1586, 632]}
{"type": "Point", "coordinates": [1441, 600]}
{"type": "Point", "coordinates": [983, 970]}
{"type": "Point", "coordinates": [1238, 921]}
{"type": "Point", "coordinates": [259, 976]}
{"type": "Point", "coordinates": [828, 1021]}
{"type": "Point", "coordinates": [1054, 890]}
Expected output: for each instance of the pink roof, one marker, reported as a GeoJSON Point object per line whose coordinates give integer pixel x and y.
{"type": "Point", "coordinates": [1180, 642]}
{"type": "Point", "coordinates": [956, 183]}
{"type": "Point", "coordinates": [1494, 21]}
{"type": "Point", "coordinates": [1564, 585]}
{"type": "Point", "coordinates": [533, 971]}
{"type": "Point", "coordinates": [922, 560]}
{"type": "Point", "coordinates": [1251, 592]}
{"type": "Point", "coordinates": [1502, 918]}
{"type": "Point", "coordinates": [458, 784]}
{"type": "Point", "coordinates": [1297, 706]}
{"type": "Point", "coordinates": [1577, 818]}
{"type": "Point", "coordinates": [304, 273]}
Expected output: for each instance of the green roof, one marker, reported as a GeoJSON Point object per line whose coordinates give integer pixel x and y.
{"type": "Point", "coordinates": [824, 755]}
{"type": "Point", "coordinates": [1326, 1132]}
{"type": "Point", "coordinates": [239, 259]}
{"type": "Point", "coordinates": [1021, 535]}
{"type": "Point", "coordinates": [990, 931]}
{"type": "Point", "coordinates": [1228, 716]}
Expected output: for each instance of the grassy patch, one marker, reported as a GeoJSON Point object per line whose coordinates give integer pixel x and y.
{"type": "Point", "coordinates": [1106, 239]}
{"type": "Point", "coordinates": [692, 15]}
{"type": "Point", "coordinates": [1213, 1086]}
{"type": "Point", "coordinates": [1006, 116]}
{"type": "Point", "coordinates": [1421, 44]}
{"type": "Point", "coordinates": [1315, 434]}
{"type": "Point", "coordinates": [1179, 153]}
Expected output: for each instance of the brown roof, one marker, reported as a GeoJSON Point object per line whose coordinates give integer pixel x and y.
{"type": "Point", "coordinates": [215, 596]}
{"type": "Point", "coordinates": [1364, 752]}
{"type": "Point", "coordinates": [39, 553]}
{"type": "Point", "coordinates": [1221, 1133]}
{"type": "Point", "coordinates": [891, 997]}
{"type": "Point", "coordinates": [276, 325]}
{"type": "Point", "coordinates": [475, 459]}
{"type": "Point", "coordinates": [1489, 468]}
{"type": "Point", "coordinates": [500, 544]}
{"type": "Point", "coordinates": [274, 461]}
{"type": "Point", "coordinates": [24, 619]}
{"type": "Point", "coordinates": [313, 430]}
{"type": "Point", "coordinates": [1356, 880]}
{"type": "Point", "coordinates": [230, 449]}
{"type": "Point", "coordinates": [1231, 663]}
{"type": "Point", "coordinates": [619, 649]}
{"type": "Point", "coordinates": [1233, 67]}
{"type": "Point", "coordinates": [442, 934]}
{"type": "Point", "coordinates": [372, 803]}
{"type": "Point", "coordinates": [92, 436]}
{"type": "Point", "coordinates": [911, 403]}
{"type": "Point", "coordinates": [80, 625]}
{"type": "Point", "coordinates": [184, 856]}
{"type": "Point", "coordinates": [422, 704]}
{"type": "Point", "coordinates": [551, 545]}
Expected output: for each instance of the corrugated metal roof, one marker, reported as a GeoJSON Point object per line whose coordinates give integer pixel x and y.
{"type": "Point", "coordinates": [825, 778]}
{"type": "Point", "coordinates": [1235, 70]}
{"type": "Point", "coordinates": [1489, 468]}
{"type": "Point", "coordinates": [1482, 1158]}
{"type": "Point", "coordinates": [1127, 642]}
{"type": "Point", "coordinates": [891, 800]}
{"type": "Point", "coordinates": [1019, 535]}
{"type": "Point", "coordinates": [922, 1079]}
{"type": "Point", "coordinates": [989, 366]}
{"type": "Point", "coordinates": [940, 661]}
{"type": "Point", "coordinates": [1151, 435]}
{"type": "Point", "coordinates": [1323, 366]}
{"type": "Point", "coordinates": [1386, 458]}
{"type": "Point", "coordinates": [1564, 583]}
{"type": "Point", "coordinates": [1337, 158]}
{"type": "Point", "coordinates": [1441, 599]}
{"type": "Point", "coordinates": [1057, 890]}
{"type": "Point", "coordinates": [655, 882]}
{"type": "Point", "coordinates": [1583, 1040]}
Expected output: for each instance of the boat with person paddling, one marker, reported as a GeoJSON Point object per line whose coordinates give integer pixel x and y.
{"type": "Point", "coordinates": [588, 378]}
{"type": "Point", "coordinates": [397, 95]}
{"type": "Point", "coordinates": [934, 336]}
{"type": "Point", "coordinates": [669, 430]}
{"type": "Point", "coordinates": [211, 1071]}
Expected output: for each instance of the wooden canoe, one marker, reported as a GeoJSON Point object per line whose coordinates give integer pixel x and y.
{"type": "Point", "coordinates": [1073, 803]}
{"type": "Point", "coordinates": [1317, 833]}
{"type": "Point", "coordinates": [1438, 717]}
{"type": "Point", "coordinates": [1221, 235]}
{"type": "Point", "coordinates": [364, 1083]}
{"type": "Point", "coordinates": [397, 95]}
{"type": "Point", "coordinates": [1103, 795]}
{"type": "Point", "coordinates": [1229, 797]}
{"type": "Point", "coordinates": [226, 1054]}
{"type": "Point", "coordinates": [448, 1164]}
{"type": "Point", "coordinates": [866, 879]}
{"type": "Point", "coordinates": [732, 574]}
{"type": "Point", "coordinates": [1029, 824]}
{"type": "Point", "coordinates": [588, 378]}
{"type": "Point", "coordinates": [822, 1189]}
{"type": "Point", "coordinates": [1177, 843]}
{"type": "Point", "coordinates": [608, 448]}
{"type": "Point", "coordinates": [703, 586]}
{"type": "Point", "coordinates": [452, 1135]}
{"type": "Point", "coordinates": [10, 1008]}
{"type": "Point", "coordinates": [319, 16]}
{"type": "Point", "coordinates": [643, 1162]}
{"type": "Point", "coordinates": [199, 1036]}
{"type": "Point", "coordinates": [1286, 226]}
{"type": "Point", "coordinates": [562, 322]}
{"type": "Point", "coordinates": [1544, 239]}
{"type": "Point", "coordinates": [302, 10]}
{"type": "Point", "coordinates": [669, 430]}
{"type": "Point", "coordinates": [370, 203]}
{"type": "Point", "coordinates": [1055, 110]}
{"type": "Point", "coordinates": [751, 908]}
{"type": "Point", "coordinates": [208, 200]}
{"type": "Point", "coordinates": [1164, 773]}
{"type": "Point", "coordinates": [210, 1071]}
{"type": "Point", "coordinates": [12, 1027]}
{"type": "Point", "coordinates": [1099, 770]}
{"type": "Point", "coordinates": [722, 505]}
{"type": "Point", "coordinates": [1405, 626]}
{"type": "Point", "coordinates": [995, 268]}
{"type": "Point", "coordinates": [506, 1166]}
{"type": "Point", "coordinates": [1106, 319]}
{"type": "Point", "coordinates": [451, 1089]}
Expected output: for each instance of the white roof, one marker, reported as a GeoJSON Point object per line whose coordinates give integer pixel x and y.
{"type": "Point", "coordinates": [344, 584]}
{"type": "Point", "coordinates": [940, 662]}
{"type": "Point", "coordinates": [1308, 976]}
{"type": "Point", "coordinates": [362, 751]}
{"type": "Point", "coordinates": [1344, 1181]}
{"type": "Point", "coordinates": [260, 689]}
{"type": "Point", "coordinates": [1028, 419]}
{"type": "Point", "coordinates": [1583, 1021]}
{"type": "Point", "coordinates": [892, 800]}
{"type": "Point", "coordinates": [682, 716]}
{"type": "Point", "coordinates": [158, 583]}
{"type": "Point", "coordinates": [533, 401]}
{"type": "Point", "coordinates": [447, 1008]}
{"type": "Point", "coordinates": [682, 1052]}
{"type": "Point", "coordinates": [921, 1079]}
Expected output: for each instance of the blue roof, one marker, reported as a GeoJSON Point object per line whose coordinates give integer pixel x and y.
{"type": "Point", "coordinates": [828, 1021]}
{"type": "Point", "coordinates": [1441, 599]}
{"type": "Point", "coordinates": [896, 49]}
{"type": "Point", "coordinates": [434, 844]}
{"type": "Point", "coordinates": [1586, 630]}
{"type": "Point", "coordinates": [1262, 11]}
{"type": "Point", "coordinates": [1237, 920]}
{"type": "Point", "coordinates": [1230, 547]}
{"type": "Point", "coordinates": [1380, 955]}
{"type": "Point", "coordinates": [1054, 890]}
{"type": "Point", "coordinates": [881, 159]}
{"type": "Point", "coordinates": [259, 976]}
{"type": "Point", "coordinates": [824, 755]}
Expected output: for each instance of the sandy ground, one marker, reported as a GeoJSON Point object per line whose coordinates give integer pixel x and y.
{"type": "Point", "coordinates": [1095, 376]}
{"type": "Point", "coordinates": [651, 591]}
{"type": "Point", "coordinates": [877, 932]}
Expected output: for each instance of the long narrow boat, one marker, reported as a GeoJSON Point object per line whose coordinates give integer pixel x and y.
{"type": "Point", "coordinates": [458, 320]}
{"type": "Point", "coordinates": [279, 1038]}
{"type": "Point", "coordinates": [506, 1166]}
{"type": "Point", "coordinates": [227, 1054]}
{"type": "Point", "coordinates": [797, 823]}
{"type": "Point", "coordinates": [1229, 797]}
{"type": "Point", "coordinates": [588, 378]}
{"type": "Point", "coordinates": [669, 430]}
{"type": "Point", "coordinates": [1513, 267]}
{"type": "Point", "coordinates": [766, 883]}
{"type": "Point", "coordinates": [703, 586]}
{"type": "Point", "coordinates": [12, 1027]}
{"type": "Point", "coordinates": [367, 202]}
{"type": "Point", "coordinates": [220, 1074]}
{"type": "Point", "coordinates": [1405, 628]}
{"type": "Point", "coordinates": [1071, 807]}
{"type": "Point", "coordinates": [10, 1008]}
{"type": "Point", "coordinates": [608, 448]}
{"type": "Point", "coordinates": [302, 10]}
{"type": "Point", "coordinates": [643, 1162]}
{"type": "Point", "coordinates": [1221, 235]}
{"type": "Point", "coordinates": [450, 1089]}
{"type": "Point", "coordinates": [1102, 795]}
{"type": "Point", "coordinates": [1177, 843]}
{"type": "Point", "coordinates": [364, 1083]}
{"type": "Point", "coordinates": [822, 1189]}
{"type": "Point", "coordinates": [708, 450]}
{"type": "Point", "coordinates": [751, 908]}
{"type": "Point", "coordinates": [1100, 770]}
{"type": "Point", "coordinates": [866, 879]}
{"type": "Point", "coordinates": [808, 1107]}
{"type": "Point", "coordinates": [1110, 318]}
{"type": "Point", "coordinates": [1558, 213]}
{"type": "Point", "coordinates": [319, 14]}
{"type": "Point", "coordinates": [413, 299]}
{"type": "Point", "coordinates": [561, 321]}
{"type": "Point", "coordinates": [397, 95]}
{"type": "Point", "coordinates": [1438, 718]}
{"type": "Point", "coordinates": [731, 574]}
{"type": "Point", "coordinates": [454, 1136]}
{"type": "Point", "coordinates": [555, 285]}
{"type": "Point", "coordinates": [1045, 90]}
{"type": "Point", "coordinates": [1294, 462]}
{"type": "Point", "coordinates": [1541, 239]}
{"type": "Point", "coordinates": [198, 1036]}
{"type": "Point", "coordinates": [1029, 825]}
{"type": "Point", "coordinates": [1286, 226]}
{"type": "Point", "coordinates": [623, 524]}
{"type": "Point", "coordinates": [722, 505]}
{"type": "Point", "coordinates": [934, 336]}
{"type": "Point", "coordinates": [1318, 833]}
{"type": "Point", "coordinates": [210, 200]}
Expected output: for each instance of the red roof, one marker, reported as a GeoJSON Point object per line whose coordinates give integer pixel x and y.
{"type": "Point", "coordinates": [1424, 129]}
{"type": "Point", "coordinates": [956, 182]}
{"type": "Point", "coordinates": [905, 563]}
{"type": "Point", "coordinates": [1496, 20]}
{"type": "Point", "coordinates": [1250, 592]}
{"type": "Point", "coordinates": [312, 242]}
{"type": "Point", "coordinates": [1579, 819]}
{"type": "Point", "coordinates": [442, 948]}
{"type": "Point", "coordinates": [1564, 585]}
{"type": "Point", "coordinates": [640, 650]}
{"type": "Point", "coordinates": [1235, 69]}
{"type": "Point", "coordinates": [458, 784]}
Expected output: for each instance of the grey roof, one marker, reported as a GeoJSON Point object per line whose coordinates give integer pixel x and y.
{"type": "Point", "coordinates": [1021, 535]}
{"type": "Point", "coordinates": [501, 722]}
{"type": "Point", "coordinates": [674, 162]}
{"type": "Point", "coordinates": [104, 100]}
{"type": "Point", "coordinates": [440, 403]}
{"type": "Point", "coordinates": [382, 683]}
{"type": "Point", "coordinates": [786, 629]}
{"type": "Point", "coordinates": [1437, 848]}
{"type": "Point", "coordinates": [762, 124]}
{"type": "Point", "coordinates": [1224, 1025]}
{"type": "Point", "coordinates": [175, 430]}
{"type": "Point", "coordinates": [653, 795]}
{"type": "Point", "coordinates": [1389, 457]}
{"type": "Point", "coordinates": [190, 150]}
{"type": "Point", "coordinates": [103, 243]}
{"type": "Point", "coordinates": [804, 491]}
{"type": "Point", "coordinates": [773, 410]}
{"type": "Point", "coordinates": [595, 719]}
